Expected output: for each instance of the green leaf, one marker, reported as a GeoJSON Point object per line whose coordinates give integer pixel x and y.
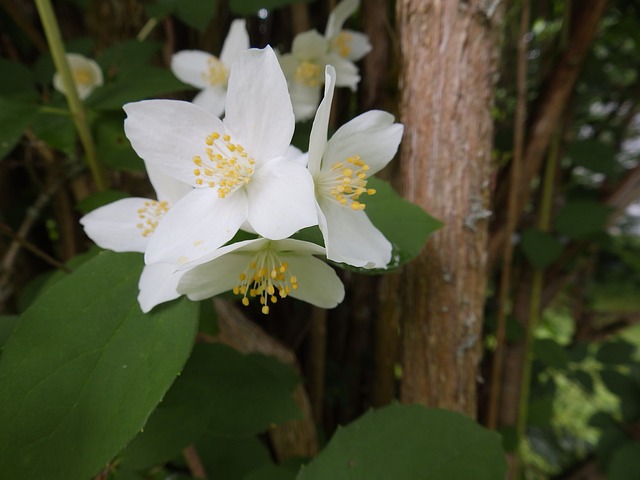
{"type": "Point", "coordinates": [231, 457]}
{"type": "Point", "coordinates": [56, 130]}
{"type": "Point", "coordinates": [7, 324]}
{"type": "Point", "coordinates": [15, 117]}
{"type": "Point", "coordinates": [113, 146]}
{"type": "Point", "coordinates": [273, 472]}
{"type": "Point", "coordinates": [616, 352]}
{"type": "Point", "coordinates": [410, 442]}
{"type": "Point", "coordinates": [625, 463]}
{"type": "Point", "coordinates": [582, 218]}
{"type": "Point", "coordinates": [540, 248]}
{"type": "Point", "coordinates": [251, 7]}
{"type": "Point", "coordinates": [594, 155]}
{"type": "Point", "coordinates": [550, 353]}
{"type": "Point", "coordinates": [219, 390]}
{"type": "Point", "coordinates": [585, 379]}
{"type": "Point", "coordinates": [133, 84]}
{"type": "Point", "coordinates": [405, 225]}
{"type": "Point", "coordinates": [100, 199]}
{"type": "Point", "coordinates": [196, 13]}
{"type": "Point", "coordinates": [16, 81]}
{"type": "Point", "coordinates": [84, 368]}
{"type": "Point", "coordinates": [626, 389]}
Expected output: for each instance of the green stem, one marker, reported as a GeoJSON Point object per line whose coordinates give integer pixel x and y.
{"type": "Point", "coordinates": [78, 113]}
{"type": "Point", "coordinates": [536, 290]}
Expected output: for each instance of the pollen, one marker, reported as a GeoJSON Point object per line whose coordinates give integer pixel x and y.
{"type": "Point", "coordinates": [225, 165]}
{"type": "Point", "coordinates": [342, 43]}
{"type": "Point", "coordinates": [216, 73]}
{"type": "Point", "coordinates": [150, 215]}
{"type": "Point", "coordinates": [265, 279]}
{"type": "Point", "coordinates": [346, 182]}
{"type": "Point", "coordinates": [83, 76]}
{"type": "Point", "coordinates": [309, 74]}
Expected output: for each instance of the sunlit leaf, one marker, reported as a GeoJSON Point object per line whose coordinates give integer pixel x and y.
{"type": "Point", "coordinates": [84, 368]}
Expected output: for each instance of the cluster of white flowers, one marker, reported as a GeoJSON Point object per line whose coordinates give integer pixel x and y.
{"type": "Point", "coordinates": [214, 177]}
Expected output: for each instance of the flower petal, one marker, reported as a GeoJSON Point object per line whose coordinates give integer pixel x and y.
{"type": "Point", "coordinates": [318, 283]}
{"type": "Point", "coordinates": [258, 112]}
{"type": "Point", "coordinates": [196, 225]}
{"type": "Point", "coordinates": [351, 238]}
{"type": "Point", "coordinates": [212, 99]}
{"type": "Point", "coordinates": [212, 278]}
{"type": "Point", "coordinates": [359, 45]}
{"type": "Point", "coordinates": [169, 133]}
{"type": "Point", "coordinates": [294, 154]}
{"type": "Point", "coordinates": [114, 226]}
{"type": "Point", "coordinates": [372, 136]}
{"type": "Point", "coordinates": [167, 188]}
{"type": "Point", "coordinates": [190, 67]}
{"type": "Point", "coordinates": [339, 15]}
{"type": "Point", "coordinates": [281, 199]}
{"type": "Point", "coordinates": [346, 72]}
{"type": "Point", "coordinates": [305, 100]}
{"type": "Point", "coordinates": [320, 127]}
{"type": "Point", "coordinates": [158, 284]}
{"type": "Point", "coordinates": [237, 41]}
{"type": "Point", "coordinates": [309, 45]}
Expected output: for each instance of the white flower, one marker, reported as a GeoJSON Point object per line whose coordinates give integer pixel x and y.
{"type": "Point", "coordinates": [237, 166]}
{"type": "Point", "coordinates": [86, 73]}
{"type": "Point", "coordinates": [346, 43]}
{"type": "Point", "coordinates": [266, 270]}
{"type": "Point", "coordinates": [127, 225]}
{"type": "Point", "coordinates": [209, 73]}
{"type": "Point", "coordinates": [304, 68]}
{"type": "Point", "coordinates": [340, 168]}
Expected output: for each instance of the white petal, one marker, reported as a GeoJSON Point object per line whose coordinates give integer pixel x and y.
{"type": "Point", "coordinates": [169, 133]}
{"type": "Point", "coordinates": [305, 100]}
{"type": "Point", "coordinates": [318, 283]}
{"type": "Point", "coordinates": [309, 45]}
{"type": "Point", "coordinates": [339, 15]}
{"type": "Point", "coordinates": [191, 66]}
{"type": "Point", "coordinates": [158, 284]}
{"type": "Point", "coordinates": [113, 226]}
{"type": "Point", "coordinates": [294, 154]}
{"type": "Point", "coordinates": [346, 71]}
{"type": "Point", "coordinates": [258, 112]}
{"type": "Point", "coordinates": [351, 238]}
{"type": "Point", "coordinates": [237, 41]}
{"type": "Point", "coordinates": [214, 277]}
{"type": "Point", "coordinates": [196, 225]}
{"type": "Point", "coordinates": [281, 199]}
{"type": "Point", "coordinates": [288, 245]}
{"type": "Point", "coordinates": [212, 99]}
{"type": "Point", "coordinates": [167, 188]}
{"type": "Point", "coordinates": [320, 127]}
{"type": "Point", "coordinates": [372, 136]}
{"type": "Point", "coordinates": [92, 75]}
{"type": "Point", "coordinates": [359, 45]}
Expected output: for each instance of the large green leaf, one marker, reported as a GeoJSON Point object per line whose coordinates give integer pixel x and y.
{"type": "Point", "coordinates": [405, 225]}
{"type": "Point", "coordinates": [594, 155]}
{"type": "Point", "coordinates": [410, 442]}
{"type": "Point", "coordinates": [540, 248]}
{"type": "Point", "coordinates": [195, 13]}
{"type": "Point", "coordinates": [84, 368]}
{"type": "Point", "coordinates": [582, 218]}
{"type": "Point", "coordinates": [625, 463]}
{"type": "Point", "coordinates": [219, 390]}
{"type": "Point", "coordinates": [626, 388]}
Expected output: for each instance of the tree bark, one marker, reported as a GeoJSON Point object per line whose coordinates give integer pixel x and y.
{"type": "Point", "coordinates": [449, 52]}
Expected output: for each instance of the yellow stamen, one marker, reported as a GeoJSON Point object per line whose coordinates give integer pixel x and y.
{"type": "Point", "coordinates": [309, 74]}
{"type": "Point", "coordinates": [151, 213]}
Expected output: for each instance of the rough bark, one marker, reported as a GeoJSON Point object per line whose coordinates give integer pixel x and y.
{"type": "Point", "coordinates": [449, 57]}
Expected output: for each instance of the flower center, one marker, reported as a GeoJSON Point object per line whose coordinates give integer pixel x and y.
{"type": "Point", "coordinates": [266, 278]}
{"type": "Point", "coordinates": [346, 182]}
{"type": "Point", "coordinates": [83, 76]}
{"type": "Point", "coordinates": [226, 165]}
{"type": "Point", "coordinates": [150, 215]}
{"type": "Point", "coordinates": [309, 74]}
{"type": "Point", "coordinates": [342, 43]}
{"type": "Point", "coordinates": [217, 73]}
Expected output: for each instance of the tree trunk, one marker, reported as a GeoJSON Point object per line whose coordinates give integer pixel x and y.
{"type": "Point", "coordinates": [449, 52]}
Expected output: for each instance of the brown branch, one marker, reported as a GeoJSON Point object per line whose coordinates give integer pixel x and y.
{"type": "Point", "coordinates": [552, 101]}
{"type": "Point", "coordinates": [194, 464]}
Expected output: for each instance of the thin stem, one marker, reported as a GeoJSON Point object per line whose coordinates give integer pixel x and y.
{"type": "Point", "coordinates": [512, 216]}
{"type": "Point", "coordinates": [54, 38]}
{"type": "Point", "coordinates": [536, 289]}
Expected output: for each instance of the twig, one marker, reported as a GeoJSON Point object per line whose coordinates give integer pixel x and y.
{"type": "Point", "coordinates": [193, 462]}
